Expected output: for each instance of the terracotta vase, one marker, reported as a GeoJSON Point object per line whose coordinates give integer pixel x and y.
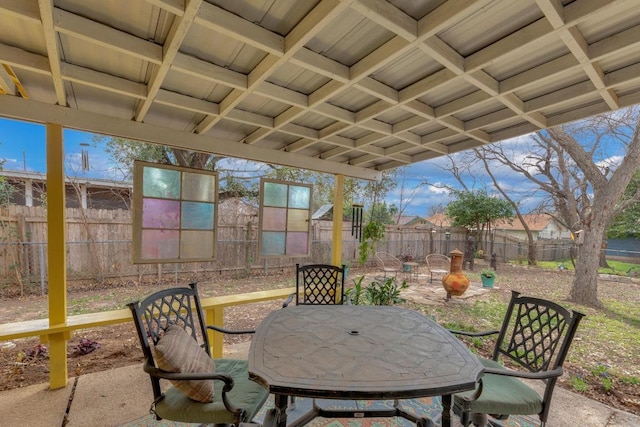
{"type": "Point", "coordinates": [455, 283]}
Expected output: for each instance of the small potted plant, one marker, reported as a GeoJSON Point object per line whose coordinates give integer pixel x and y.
{"type": "Point", "coordinates": [346, 265]}
{"type": "Point", "coordinates": [487, 276]}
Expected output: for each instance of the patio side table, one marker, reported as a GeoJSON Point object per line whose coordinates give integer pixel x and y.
{"type": "Point", "coordinates": [410, 269]}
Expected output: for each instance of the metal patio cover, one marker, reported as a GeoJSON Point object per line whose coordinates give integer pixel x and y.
{"type": "Point", "coordinates": [346, 87]}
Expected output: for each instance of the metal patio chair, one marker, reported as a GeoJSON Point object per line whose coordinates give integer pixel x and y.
{"type": "Point", "coordinates": [173, 336]}
{"type": "Point", "coordinates": [318, 284]}
{"type": "Point", "coordinates": [389, 264]}
{"type": "Point", "coordinates": [438, 264]}
{"type": "Point", "coordinates": [533, 342]}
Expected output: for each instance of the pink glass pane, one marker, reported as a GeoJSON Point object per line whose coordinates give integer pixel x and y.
{"type": "Point", "coordinates": [159, 244]}
{"type": "Point", "coordinates": [298, 220]}
{"type": "Point", "coordinates": [157, 213]}
{"type": "Point", "coordinates": [274, 219]}
{"type": "Point", "coordinates": [196, 244]}
{"type": "Point", "coordinates": [297, 243]}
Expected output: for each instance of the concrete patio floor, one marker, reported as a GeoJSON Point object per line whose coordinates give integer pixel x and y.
{"type": "Point", "coordinates": [122, 396]}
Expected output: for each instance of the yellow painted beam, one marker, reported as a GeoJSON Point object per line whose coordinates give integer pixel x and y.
{"type": "Point", "coordinates": [248, 298]}
{"type": "Point", "coordinates": [338, 199]}
{"type": "Point", "coordinates": [43, 328]}
{"type": "Point", "coordinates": [215, 316]}
{"type": "Point", "coordinates": [49, 332]}
{"type": "Point", "coordinates": [56, 253]}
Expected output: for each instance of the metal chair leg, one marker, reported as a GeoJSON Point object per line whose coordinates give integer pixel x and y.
{"type": "Point", "coordinates": [479, 420]}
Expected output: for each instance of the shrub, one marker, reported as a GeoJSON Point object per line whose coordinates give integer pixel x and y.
{"type": "Point", "coordinates": [488, 273]}
{"type": "Point", "coordinates": [386, 292]}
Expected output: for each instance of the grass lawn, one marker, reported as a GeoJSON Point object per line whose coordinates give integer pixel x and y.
{"type": "Point", "coordinates": [604, 360]}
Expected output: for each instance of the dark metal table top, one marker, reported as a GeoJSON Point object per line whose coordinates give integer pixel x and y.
{"type": "Point", "coordinates": [359, 352]}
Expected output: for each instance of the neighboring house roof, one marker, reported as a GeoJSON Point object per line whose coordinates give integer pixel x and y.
{"type": "Point", "coordinates": [440, 220]}
{"type": "Point", "coordinates": [413, 221]}
{"type": "Point", "coordinates": [80, 191]}
{"type": "Point", "coordinates": [93, 182]}
{"type": "Point", "coordinates": [404, 219]}
{"type": "Point", "coordinates": [535, 222]}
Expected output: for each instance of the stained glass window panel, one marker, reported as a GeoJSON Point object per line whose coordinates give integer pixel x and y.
{"type": "Point", "coordinates": [197, 215]}
{"type": "Point", "coordinates": [163, 183]}
{"type": "Point", "coordinates": [297, 243]}
{"type": "Point", "coordinates": [199, 187]}
{"type": "Point", "coordinates": [299, 197]}
{"type": "Point", "coordinates": [159, 244]}
{"type": "Point", "coordinates": [158, 213]}
{"type": "Point", "coordinates": [196, 244]}
{"type": "Point", "coordinates": [284, 206]}
{"type": "Point", "coordinates": [274, 219]}
{"type": "Point", "coordinates": [274, 194]}
{"type": "Point", "coordinates": [174, 214]}
{"type": "Point", "coordinates": [298, 220]}
{"type": "Point", "coordinates": [273, 243]}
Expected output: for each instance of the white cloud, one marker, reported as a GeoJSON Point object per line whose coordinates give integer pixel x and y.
{"type": "Point", "coordinates": [611, 163]}
{"type": "Point", "coordinates": [12, 164]}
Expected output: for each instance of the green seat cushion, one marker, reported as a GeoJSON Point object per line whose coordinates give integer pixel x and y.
{"type": "Point", "coordinates": [245, 394]}
{"type": "Point", "coordinates": [503, 395]}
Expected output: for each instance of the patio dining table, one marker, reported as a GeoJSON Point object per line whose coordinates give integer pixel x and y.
{"type": "Point", "coordinates": [358, 352]}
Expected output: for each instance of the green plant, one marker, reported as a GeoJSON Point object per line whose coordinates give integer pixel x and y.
{"type": "Point", "coordinates": [385, 292]}
{"type": "Point", "coordinates": [488, 273]}
{"type": "Point", "coordinates": [372, 233]}
{"type": "Point", "coordinates": [607, 384]}
{"type": "Point", "coordinates": [356, 294]}
{"type": "Point", "coordinates": [578, 383]}
{"type": "Point", "coordinates": [630, 380]}
{"type": "Point", "coordinates": [602, 371]}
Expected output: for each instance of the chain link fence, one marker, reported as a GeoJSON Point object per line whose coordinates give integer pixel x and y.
{"type": "Point", "coordinates": [24, 265]}
{"type": "Point", "coordinates": [99, 250]}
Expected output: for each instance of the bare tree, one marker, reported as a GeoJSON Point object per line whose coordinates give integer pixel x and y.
{"type": "Point", "coordinates": [574, 165]}
{"type": "Point", "coordinates": [484, 154]}
{"type": "Point", "coordinates": [436, 209]}
{"type": "Point", "coordinates": [406, 194]}
{"type": "Point", "coordinates": [607, 188]}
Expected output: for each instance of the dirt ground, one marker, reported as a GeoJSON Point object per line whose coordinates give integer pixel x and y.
{"type": "Point", "coordinates": [27, 363]}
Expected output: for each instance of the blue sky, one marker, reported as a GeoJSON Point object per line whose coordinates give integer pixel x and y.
{"type": "Point", "coordinates": [22, 145]}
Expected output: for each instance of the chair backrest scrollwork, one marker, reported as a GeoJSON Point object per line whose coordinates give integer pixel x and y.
{"type": "Point", "coordinates": [319, 284]}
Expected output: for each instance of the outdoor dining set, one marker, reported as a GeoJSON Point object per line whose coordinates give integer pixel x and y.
{"type": "Point", "coordinates": [323, 347]}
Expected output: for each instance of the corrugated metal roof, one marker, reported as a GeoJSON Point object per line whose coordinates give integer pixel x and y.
{"type": "Point", "coordinates": [322, 211]}
{"type": "Point", "coordinates": [352, 87]}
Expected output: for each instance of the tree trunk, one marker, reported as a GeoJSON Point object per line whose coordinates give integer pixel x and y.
{"type": "Point", "coordinates": [603, 258]}
{"type": "Point", "coordinates": [584, 289]}
{"type": "Point", "coordinates": [531, 255]}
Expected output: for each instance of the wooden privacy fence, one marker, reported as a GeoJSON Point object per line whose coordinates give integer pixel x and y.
{"type": "Point", "coordinates": [99, 247]}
